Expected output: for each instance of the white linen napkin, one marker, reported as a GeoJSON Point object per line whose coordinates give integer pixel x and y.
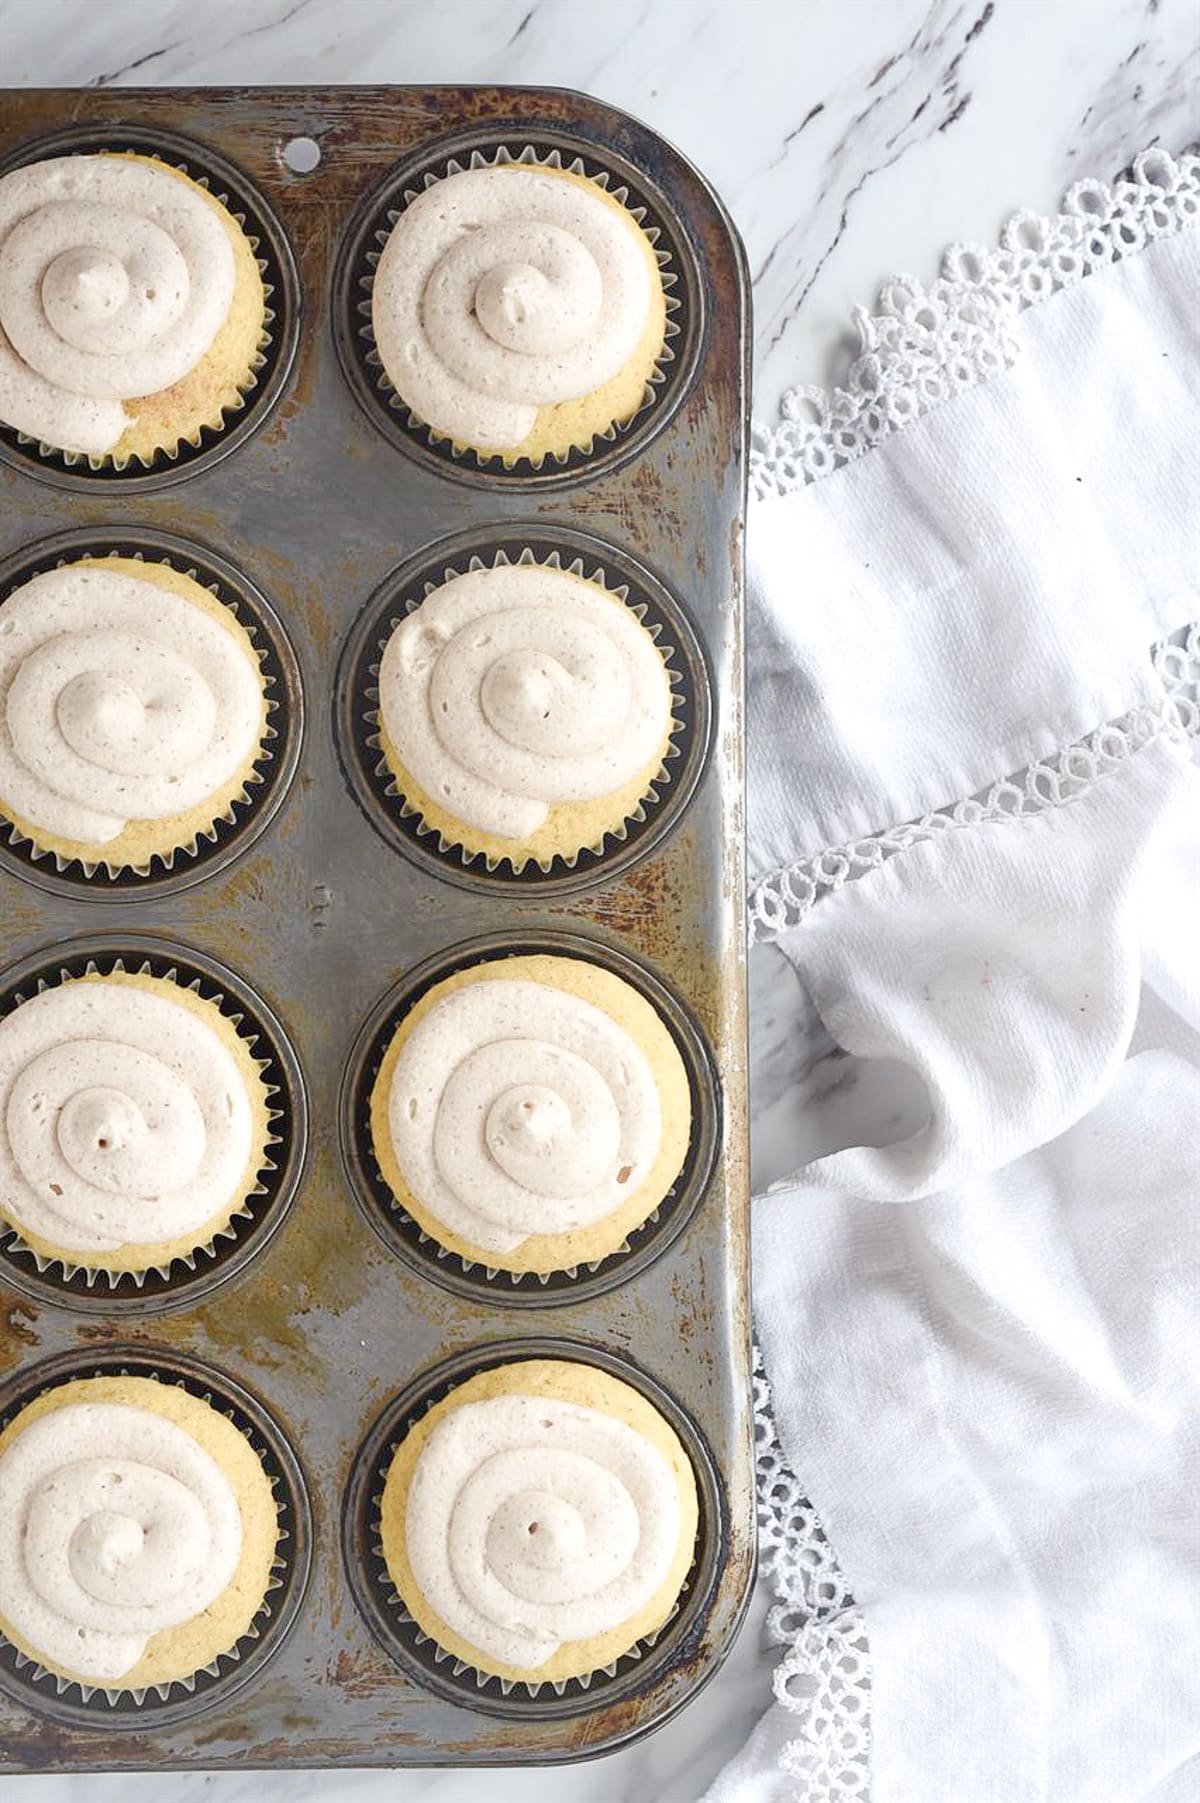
{"type": "Point", "coordinates": [975, 830]}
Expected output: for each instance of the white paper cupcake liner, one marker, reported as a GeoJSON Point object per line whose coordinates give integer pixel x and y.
{"type": "Point", "coordinates": [236, 826]}
{"type": "Point", "coordinates": [74, 1700]}
{"type": "Point", "coordinates": [380, 792]}
{"type": "Point", "coordinates": [667, 379]}
{"type": "Point", "coordinates": [187, 1278]}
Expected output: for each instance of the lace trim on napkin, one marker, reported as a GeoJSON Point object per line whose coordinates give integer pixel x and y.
{"type": "Point", "coordinates": [782, 899]}
{"type": "Point", "coordinates": [924, 345]}
{"type": "Point", "coordinates": [920, 348]}
{"type": "Point", "coordinates": [823, 1677]}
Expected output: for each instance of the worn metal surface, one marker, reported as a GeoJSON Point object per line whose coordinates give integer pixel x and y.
{"type": "Point", "coordinates": [321, 916]}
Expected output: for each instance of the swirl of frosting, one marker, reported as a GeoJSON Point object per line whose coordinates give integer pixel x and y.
{"type": "Point", "coordinates": [511, 689]}
{"type": "Point", "coordinates": [516, 1109]}
{"type": "Point", "coordinates": [531, 1522]}
{"type": "Point", "coordinates": [114, 1524]}
{"type": "Point", "coordinates": [118, 701]}
{"type": "Point", "coordinates": [123, 1118]}
{"type": "Point", "coordinates": [115, 277]}
{"type": "Point", "coordinates": [501, 290]}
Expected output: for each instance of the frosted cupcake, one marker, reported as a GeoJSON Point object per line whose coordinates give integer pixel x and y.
{"type": "Point", "coordinates": [132, 712]}
{"type": "Point", "coordinates": [138, 1530]}
{"type": "Point", "coordinates": [530, 1113]}
{"type": "Point", "coordinates": [133, 1122]}
{"type": "Point", "coordinates": [131, 307]}
{"type": "Point", "coordinates": [540, 1521]}
{"type": "Point", "coordinates": [524, 713]}
{"type": "Point", "coordinates": [518, 310]}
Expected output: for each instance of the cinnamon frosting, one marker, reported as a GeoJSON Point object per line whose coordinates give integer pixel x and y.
{"type": "Point", "coordinates": [532, 1521]}
{"type": "Point", "coordinates": [502, 290]}
{"type": "Point", "coordinates": [114, 1524]}
{"type": "Point", "coordinates": [118, 700]}
{"type": "Point", "coordinates": [517, 1109]}
{"type": "Point", "coordinates": [123, 1118]}
{"type": "Point", "coordinates": [515, 688]}
{"type": "Point", "coordinates": [115, 278]}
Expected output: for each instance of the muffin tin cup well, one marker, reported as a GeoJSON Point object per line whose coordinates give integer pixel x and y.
{"type": "Point", "coordinates": [70, 1703]}
{"type": "Point", "coordinates": [248, 816]}
{"type": "Point", "coordinates": [277, 346]}
{"type": "Point", "coordinates": [356, 710]}
{"type": "Point", "coordinates": [431, 1666]}
{"type": "Point", "coordinates": [186, 1281]}
{"type": "Point", "coordinates": [546, 148]}
{"type": "Point", "coordinates": [414, 1245]}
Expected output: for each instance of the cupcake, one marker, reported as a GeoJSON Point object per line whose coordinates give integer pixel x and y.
{"type": "Point", "coordinates": [530, 1113]}
{"type": "Point", "coordinates": [133, 1122]}
{"type": "Point", "coordinates": [132, 712]}
{"type": "Point", "coordinates": [540, 1521]}
{"type": "Point", "coordinates": [132, 310]}
{"type": "Point", "coordinates": [518, 310]}
{"type": "Point", "coordinates": [525, 713]}
{"type": "Point", "coordinates": [138, 1531]}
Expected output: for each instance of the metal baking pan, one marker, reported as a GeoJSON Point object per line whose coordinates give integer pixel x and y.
{"type": "Point", "coordinates": [325, 1322]}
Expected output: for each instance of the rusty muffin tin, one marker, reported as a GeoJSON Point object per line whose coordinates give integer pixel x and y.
{"type": "Point", "coordinates": [324, 1326]}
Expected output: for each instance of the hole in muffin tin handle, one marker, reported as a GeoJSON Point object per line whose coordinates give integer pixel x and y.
{"type": "Point", "coordinates": [301, 155]}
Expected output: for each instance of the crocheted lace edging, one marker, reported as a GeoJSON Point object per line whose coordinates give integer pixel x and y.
{"type": "Point", "coordinates": [920, 348]}
{"type": "Point", "coordinates": [924, 345]}
{"type": "Point", "coordinates": [782, 899]}
{"type": "Point", "coordinates": [823, 1676]}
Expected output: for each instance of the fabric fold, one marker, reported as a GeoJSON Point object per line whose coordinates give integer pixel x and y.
{"type": "Point", "coordinates": [1003, 965]}
{"type": "Point", "coordinates": [984, 587]}
{"type": "Point", "coordinates": [973, 811]}
{"type": "Point", "coordinates": [994, 1397]}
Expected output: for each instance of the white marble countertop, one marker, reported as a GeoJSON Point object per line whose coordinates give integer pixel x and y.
{"type": "Point", "coordinates": [852, 139]}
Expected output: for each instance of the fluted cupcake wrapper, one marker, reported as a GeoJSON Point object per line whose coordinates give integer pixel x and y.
{"type": "Point", "coordinates": [380, 791]}
{"type": "Point", "coordinates": [407, 1238]}
{"type": "Point", "coordinates": [234, 827]}
{"type": "Point", "coordinates": [458, 1679]}
{"type": "Point", "coordinates": [268, 370]}
{"type": "Point", "coordinates": [671, 367]}
{"type": "Point", "coordinates": [427, 1647]}
{"type": "Point", "coordinates": [183, 1279]}
{"type": "Point", "coordinates": [73, 1700]}
{"type": "Point", "coordinates": [618, 834]}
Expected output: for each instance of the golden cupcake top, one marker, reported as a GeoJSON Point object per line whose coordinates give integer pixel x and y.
{"type": "Point", "coordinates": [540, 1520]}
{"type": "Point", "coordinates": [130, 305]}
{"type": "Point", "coordinates": [137, 1531]}
{"type": "Point", "coordinates": [131, 1118]}
{"type": "Point", "coordinates": [116, 276]}
{"type": "Point", "coordinates": [531, 1111]}
{"type": "Point", "coordinates": [130, 696]}
{"type": "Point", "coordinates": [515, 691]}
{"type": "Point", "coordinates": [507, 290]}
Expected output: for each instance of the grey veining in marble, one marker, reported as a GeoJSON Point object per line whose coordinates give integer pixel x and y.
{"type": "Point", "coordinates": [852, 139]}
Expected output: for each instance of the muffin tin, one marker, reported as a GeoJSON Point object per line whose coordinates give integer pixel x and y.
{"type": "Point", "coordinates": [326, 1324]}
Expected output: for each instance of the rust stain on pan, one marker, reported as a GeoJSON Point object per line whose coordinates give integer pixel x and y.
{"type": "Point", "coordinates": [17, 1323]}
